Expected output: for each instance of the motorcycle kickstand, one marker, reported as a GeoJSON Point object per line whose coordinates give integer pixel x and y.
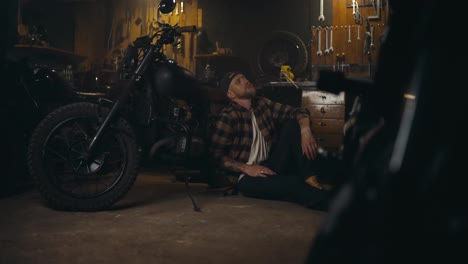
{"type": "Point", "coordinates": [189, 193]}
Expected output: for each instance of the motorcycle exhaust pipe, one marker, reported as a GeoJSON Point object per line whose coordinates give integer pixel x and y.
{"type": "Point", "coordinates": [159, 144]}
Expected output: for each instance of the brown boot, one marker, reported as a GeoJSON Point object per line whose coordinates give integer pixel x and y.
{"type": "Point", "coordinates": [313, 181]}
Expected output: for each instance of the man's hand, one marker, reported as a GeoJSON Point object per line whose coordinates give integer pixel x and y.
{"type": "Point", "coordinates": [258, 171]}
{"type": "Point", "coordinates": [308, 143]}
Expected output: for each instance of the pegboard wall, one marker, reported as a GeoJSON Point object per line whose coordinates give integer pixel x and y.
{"type": "Point", "coordinates": [349, 40]}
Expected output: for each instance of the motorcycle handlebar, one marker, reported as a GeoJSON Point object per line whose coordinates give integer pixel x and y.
{"type": "Point", "coordinates": [336, 82]}
{"type": "Point", "coordinates": [186, 29]}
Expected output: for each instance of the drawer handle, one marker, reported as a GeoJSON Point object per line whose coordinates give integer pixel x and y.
{"type": "Point", "coordinates": [322, 110]}
{"type": "Point", "coordinates": [322, 124]}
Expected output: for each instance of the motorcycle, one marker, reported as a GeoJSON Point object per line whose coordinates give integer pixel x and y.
{"type": "Point", "coordinates": [86, 156]}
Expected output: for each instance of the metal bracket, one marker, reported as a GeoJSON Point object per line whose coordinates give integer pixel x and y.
{"type": "Point", "coordinates": [377, 4]}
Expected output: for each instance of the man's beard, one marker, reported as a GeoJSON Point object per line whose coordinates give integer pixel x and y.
{"type": "Point", "coordinates": [248, 95]}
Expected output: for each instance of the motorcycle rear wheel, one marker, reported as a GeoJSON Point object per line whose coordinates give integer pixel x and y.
{"type": "Point", "coordinates": [66, 176]}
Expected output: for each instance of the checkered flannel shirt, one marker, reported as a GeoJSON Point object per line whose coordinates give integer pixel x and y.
{"type": "Point", "coordinates": [233, 133]}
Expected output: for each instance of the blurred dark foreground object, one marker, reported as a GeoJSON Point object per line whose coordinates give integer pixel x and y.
{"type": "Point", "coordinates": [404, 198]}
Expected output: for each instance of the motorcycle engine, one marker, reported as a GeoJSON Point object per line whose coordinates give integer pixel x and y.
{"type": "Point", "coordinates": [180, 110]}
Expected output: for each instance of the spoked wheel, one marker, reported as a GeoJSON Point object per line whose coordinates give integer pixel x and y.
{"type": "Point", "coordinates": [69, 177]}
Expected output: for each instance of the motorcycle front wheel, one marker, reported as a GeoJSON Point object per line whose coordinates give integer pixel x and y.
{"type": "Point", "coordinates": [70, 178]}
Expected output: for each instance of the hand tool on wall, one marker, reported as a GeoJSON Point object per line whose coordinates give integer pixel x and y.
{"type": "Point", "coordinates": [313, 30]}
{"type": "Point", "coordinates": [349, 34]}
{"type": "Point", "coordinates": [321, 16]}
{"type": "Point", "coordinates": [326, 41]}
{"type": "Point", "coordinates": [372, 37]}
{"type": "Point", "coordinates": [343, 60]}
{"type": "Point", "coordinates": [330, 49]}
{"type": "Point", "coordinates": [367, 48]}
{"type": "Point", "coordinates": [340, 61]}
{"type": "Point", "coordinates": [359, 32]}
{"type": "Point", "coordinates": [357, 14]}
{"type": "Point", "coordinates": [319, 49]}
{"type": "Point", "coordinates": [337, 63]}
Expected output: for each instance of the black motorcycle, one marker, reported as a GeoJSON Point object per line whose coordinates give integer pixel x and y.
{"type": "Point", "coordinates": [86, 156]}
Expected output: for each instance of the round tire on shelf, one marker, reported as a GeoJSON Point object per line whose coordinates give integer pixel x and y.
{"type": "Point", "coordinates": [282, 48]}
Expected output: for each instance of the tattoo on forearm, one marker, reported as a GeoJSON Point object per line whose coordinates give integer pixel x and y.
{"type": "Point", "coordinates": [233, 165]}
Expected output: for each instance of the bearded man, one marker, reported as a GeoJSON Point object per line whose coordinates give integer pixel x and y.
{"type": "Point", "coordinates": [268, 145]}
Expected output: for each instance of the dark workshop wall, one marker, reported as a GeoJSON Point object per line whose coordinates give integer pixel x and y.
{"type": "Point", "coordinates": [56, 17]}
{"type": "Point", "coordinates": [243, 24]}
{"type": "Point", "coordinates": [86, 26]}
{"type": "Point", "coordinates": [106, 27]}
{"type": "Point", "coordinates": [91, 34]}
{"type": "Point", "coordinates": [9, 26]}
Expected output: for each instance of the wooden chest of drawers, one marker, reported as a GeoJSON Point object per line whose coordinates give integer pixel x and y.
{"type": "Point", "coordinates": [328, 117]}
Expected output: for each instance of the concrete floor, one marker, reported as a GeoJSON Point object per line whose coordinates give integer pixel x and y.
{"type": "Point", "coordinates": [155, 223]}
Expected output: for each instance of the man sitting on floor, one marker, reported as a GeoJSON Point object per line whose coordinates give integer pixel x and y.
{"type": "Point", "coordinates": [268, 145]}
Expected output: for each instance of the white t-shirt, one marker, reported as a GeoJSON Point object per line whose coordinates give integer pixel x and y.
{"type": "Point", "coordinates": [259, 149]}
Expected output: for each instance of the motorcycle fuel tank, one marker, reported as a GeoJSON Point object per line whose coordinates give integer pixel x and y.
{"type": "Point", "coordinates": [173, 80]}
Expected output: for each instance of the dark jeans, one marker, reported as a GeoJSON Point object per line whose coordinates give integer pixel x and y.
{"type": "Point", "coordinates": [292, 168]}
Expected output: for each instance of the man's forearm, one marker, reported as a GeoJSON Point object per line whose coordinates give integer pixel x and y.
{"type": "Point", "coordinates": [233, 165]}
{"type": "Point", "coordinates": [304, 123]}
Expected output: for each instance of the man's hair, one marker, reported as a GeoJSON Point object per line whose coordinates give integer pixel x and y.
{"type": "Point", "coordinates": [226, 80]}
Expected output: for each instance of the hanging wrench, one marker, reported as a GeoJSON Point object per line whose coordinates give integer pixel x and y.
{"type": "Point", "coordinates": [319, 49]}
{"type": "Point", "coordinates": [326, 41]}
{"type": "Point", "coordinates": [354, 7]}
{"type": "Point", "coordinates": [358, 32]}
{"type": "Point", "coordinates": [372, 36]}
{"type": "Point", "coordinates": [357, 14]}
{"type": "Point", "coordinates": [314, 31]}
{"type": "Point", "coordinates": [330, 49]}
{"type": "Point", "coordinates": [321, 17]}
{"type": "Point", "coordinates": [349, 33]}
